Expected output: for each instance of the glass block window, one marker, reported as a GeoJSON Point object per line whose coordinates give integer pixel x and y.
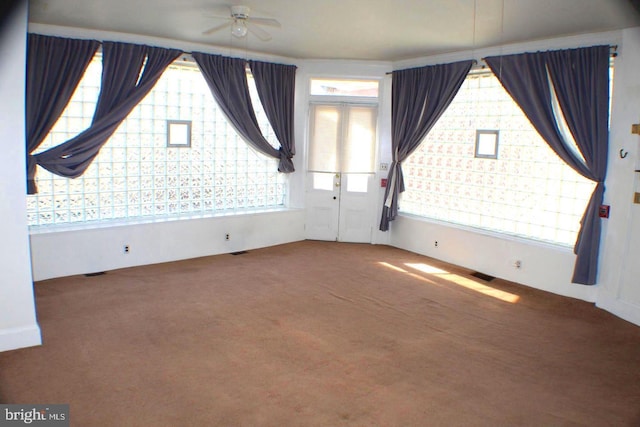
{"type": "Point", "coordinates": [527, 191]}
{"type": "Point", "coordinates": [137, 176]}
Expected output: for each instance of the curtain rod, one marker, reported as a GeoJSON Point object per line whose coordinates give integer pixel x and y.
{"type": "Point", "coordinates": [473, 61]}
{"type": "Point", "coordinates": [187, 56]}
{"type": "Point", "coordinates": [613, 52]}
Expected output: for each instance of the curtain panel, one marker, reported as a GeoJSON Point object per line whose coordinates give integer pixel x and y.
{"type": "Point", "coordinates": [227, 79]}
{"type": "Point", "coordinates": [419, 96]}
{"type": "Point", "coordinates": [276, 85]}
{"type": "Point", "coordinates": [577, 80]}
{"type": "Point", "coordinates": [54, 68]}
{"type": "Point", "coordinates": [129, 72]}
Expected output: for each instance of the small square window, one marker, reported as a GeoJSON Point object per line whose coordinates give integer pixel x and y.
{"type": "Point", "coordinates": [487, 144]}
{"type": "Point", "coordinates": [178, 133]}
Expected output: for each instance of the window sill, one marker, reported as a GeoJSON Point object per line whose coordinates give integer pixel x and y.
{"type": "Point", "coordinates": [111, 223]}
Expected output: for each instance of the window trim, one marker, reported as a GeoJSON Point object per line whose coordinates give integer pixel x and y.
{"type": "Point", "coordinates": [173, 124]}
{"type": "Point", "coordinates": [496, 143]}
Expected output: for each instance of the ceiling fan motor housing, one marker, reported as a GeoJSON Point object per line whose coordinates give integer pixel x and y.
{"type": "Point", "coordinates": [240, 12]}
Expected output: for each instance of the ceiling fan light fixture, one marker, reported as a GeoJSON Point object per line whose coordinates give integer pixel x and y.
{"type": "Point", "coordinates": [238, 28]}
{"type": "Point", "coordinates": [241, 24]}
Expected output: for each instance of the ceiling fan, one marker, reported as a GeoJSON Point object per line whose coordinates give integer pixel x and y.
{"type": "Point", "coordinates": [241, 22]}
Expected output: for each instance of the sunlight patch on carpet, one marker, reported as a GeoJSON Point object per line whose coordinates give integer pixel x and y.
{"type": "Point", "coordinates": [465, 282]}
{"type": "Point", "coordinates": [402, 270]}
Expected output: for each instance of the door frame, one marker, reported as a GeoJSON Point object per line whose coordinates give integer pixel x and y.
{"type": "Point", "coordinates": [337, 188]}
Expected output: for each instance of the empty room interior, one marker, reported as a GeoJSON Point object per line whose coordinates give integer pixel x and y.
{"type": "Point", "coordinates": [321, 213]}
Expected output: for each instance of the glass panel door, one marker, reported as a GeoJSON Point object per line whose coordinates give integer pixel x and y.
{"type": "Point", "coordinates": [340, 196]}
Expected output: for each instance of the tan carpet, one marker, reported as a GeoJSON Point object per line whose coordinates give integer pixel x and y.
{"type": "Point", "coordinates": [322, 334]}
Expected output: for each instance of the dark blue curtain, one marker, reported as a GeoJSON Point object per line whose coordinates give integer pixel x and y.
{"type": "Point", "coordinates": [227, 79]}
{"type": "Point", "coordinates": [276, 85]}
{"type": "Point", "coordinates": [54, 68]}
{"type": "Point", "coordinates": [419, 96]}
{"type": "Point", "coordinates": [579, 79]}
{"type": "Point", "coordinates": [129, 72]}
{"type": "Point", "coordinates": [7, 7]}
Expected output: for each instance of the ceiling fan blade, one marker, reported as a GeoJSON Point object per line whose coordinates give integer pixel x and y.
{"type": "Point", "coordinates": [258, 32]}
{"type": "Point", "coordinates": [266, 21]}
{"type": "Point", "coordinates": [216, 28]}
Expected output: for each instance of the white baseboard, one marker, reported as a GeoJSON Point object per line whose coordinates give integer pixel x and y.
{"type": "Point", "coordinates": [15, 338]}
{"type": "Point", "coordinates": [623, 309]}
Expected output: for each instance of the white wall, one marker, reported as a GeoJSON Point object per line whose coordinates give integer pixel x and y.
{"type": "Point", "coordinates": [67, 252]}
{"type": "Point", "coordinates": [542, 266]}
{"type": "Point", "coordinates": [18, 326]}
{"type": "Point", "coordinates": [619, 290]}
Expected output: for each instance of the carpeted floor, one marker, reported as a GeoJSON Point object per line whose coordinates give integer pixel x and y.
{"type": "Point", "coordinates": [322, 334]}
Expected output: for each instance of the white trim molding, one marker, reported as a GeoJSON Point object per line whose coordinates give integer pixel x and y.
{"type": "Point", "coordinates": [15, 338]}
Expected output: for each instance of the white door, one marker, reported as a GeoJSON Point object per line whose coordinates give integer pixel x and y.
{"type": "Point", "coordinates": [340, 196]}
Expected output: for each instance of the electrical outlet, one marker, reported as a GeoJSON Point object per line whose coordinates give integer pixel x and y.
{"type": "Point", "coordinates": [126, 249]}
{"type": "Point", "coordinates": [384, 166]}
{"type": "Point", "coordinates": [435, 243]}
{"type": "Point", "coordinates": [227, 237]}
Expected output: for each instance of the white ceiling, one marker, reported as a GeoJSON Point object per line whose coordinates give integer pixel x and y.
{"type": "Point", "coordinates": [349, 29]}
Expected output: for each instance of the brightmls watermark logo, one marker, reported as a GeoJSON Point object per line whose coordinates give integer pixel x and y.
{"type": "Point", "coordinates": [34, 415]}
